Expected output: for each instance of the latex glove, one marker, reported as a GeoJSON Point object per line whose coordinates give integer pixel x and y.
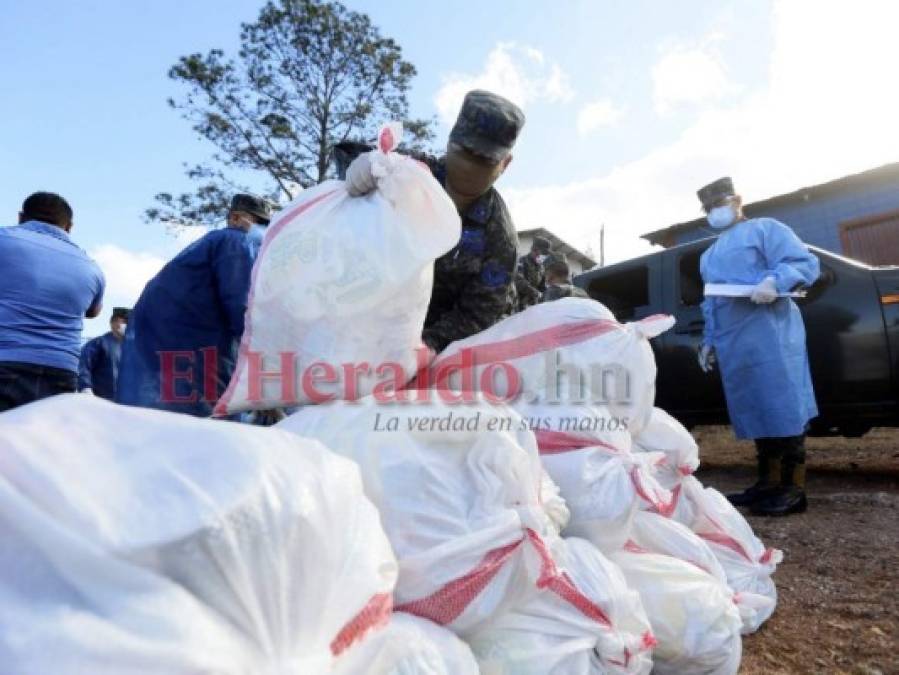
{"type": "Point", "coordinates": [765, 292]}
{"type": "Point", "coordinates": [707, 358]}
{"type": "Point", "coordinates": [359, 179]}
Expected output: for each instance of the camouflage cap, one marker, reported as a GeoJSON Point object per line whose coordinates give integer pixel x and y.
{"type": "Point", "coordinates": [255, 206]}
{"type": "Point", "coordinates": [713, 192]}
{"type": "Point", "coordinates": [487, 125]}
{"type": "Point", "coordinates": [556, 258]}
{"type": "Point", "coordinates": [541, 245]}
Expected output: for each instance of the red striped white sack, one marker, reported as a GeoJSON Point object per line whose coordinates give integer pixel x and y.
{"type": "Point", "coordinates": [342, 281]}
{"type": "Point", "coordinates": [571, 350]}
{"type": "Point", "coordinates": [603, 629]}
{"type": "Point", "coordinates": [588, 455]}
{"type": "Point", "coordinates": [693, 616]}
{"type": "Point", "coordinates": [408, 645]}
{"type": "Point", "coordinates": [655, 533]}
{"type": "Point", "coordinates": [144, 541]}
{"type": "Point", "coordinates": [665, 434]}
{"type": "Point", "coordinates": [746, 561]}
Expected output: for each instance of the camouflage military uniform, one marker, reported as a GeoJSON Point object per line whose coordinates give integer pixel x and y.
{"type": "Point", "coordinates": [557, 291]}
{"type": "Point", "coordinates": [529, 281]}
{"type": "Point", "coordinates": [473, 282]}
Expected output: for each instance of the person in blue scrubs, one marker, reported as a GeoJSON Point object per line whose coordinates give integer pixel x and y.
{"type": "Point", "coordinates": [759, 344]}
{"type": "Point", "coordinates": [98, 370]}
{"type": "Point", "coordinates": [181, 344]}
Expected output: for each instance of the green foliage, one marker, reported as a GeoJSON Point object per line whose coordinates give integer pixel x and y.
{"type": "Point", "coordinates": [309, 74]}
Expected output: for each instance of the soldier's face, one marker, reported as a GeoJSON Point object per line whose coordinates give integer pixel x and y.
{"type": "Point", "coordinates": [469, 175]}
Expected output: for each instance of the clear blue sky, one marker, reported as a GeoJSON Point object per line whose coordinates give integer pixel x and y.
{"type": "Point", "coordinates": [630, 105]}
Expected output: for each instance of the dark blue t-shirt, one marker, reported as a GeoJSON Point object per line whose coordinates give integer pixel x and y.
{"type": "Point", "coordinates": [47, 284]}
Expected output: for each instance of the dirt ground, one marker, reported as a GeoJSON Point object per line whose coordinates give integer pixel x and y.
{"type": "Point", "coordinates": [838, 605]}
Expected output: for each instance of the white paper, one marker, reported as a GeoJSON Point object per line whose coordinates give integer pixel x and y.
{"type": "Point", "coordinates": [742, 291]}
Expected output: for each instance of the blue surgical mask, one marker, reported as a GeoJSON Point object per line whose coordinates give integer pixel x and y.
{"type": "Point", "coordinates": [721, 217]}
{"type": "Point", "coordinates": [257, 232]}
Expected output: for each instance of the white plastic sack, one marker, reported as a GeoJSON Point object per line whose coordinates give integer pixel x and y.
{"type": "Point", "coordinates": [746, 561]}
{"type": "Point", "coordinates": [569, 350]}
{"type": "Point", "coordinates": [686, 496]}
{"type": "Point", "coordinates": [665, 434]}
{"type": "Point", "coordinates": [458, 498]}
{"type": "Point", "coordinates": [586, 620]}
{"type": "Point", "coordinates": [140, 541]}
{"type": "Point", "coordinates": [343, 280]}
{"type": "Point", "coordinates": [408, 645]}
{"type": "Point", "coordinates": [603, 487]}
{"type": "Point", "coordinates": [693, 616]}
{"type": "Point", "coordinates": [654, 533]}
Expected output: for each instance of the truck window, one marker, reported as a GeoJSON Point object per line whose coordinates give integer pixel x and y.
{"type": "Point", "coordinates": [622, 292]}
{"type": "Point", "coordinates": [690, 279]}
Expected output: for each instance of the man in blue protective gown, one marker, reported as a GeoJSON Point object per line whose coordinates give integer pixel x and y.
{"type": "Point", "coordinates": [98, 370]}
{"type": "Point", "coordinates": [759, 344]}
{"type": "Point", "coordinates": [181, 344]}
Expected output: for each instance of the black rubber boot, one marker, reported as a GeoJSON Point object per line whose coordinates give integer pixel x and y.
{"type": "Point", "coordinates": [789, 497]}
{"type": "Point", "coordinates": [768, 479]}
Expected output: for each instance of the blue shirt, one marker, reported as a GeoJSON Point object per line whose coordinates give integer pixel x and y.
{"type": "Point", "coordinates": [192, 314]}
{"type": "Point", "coordinates": [99, 367]}
{"type": "Point", "coordinates": [47, 284]}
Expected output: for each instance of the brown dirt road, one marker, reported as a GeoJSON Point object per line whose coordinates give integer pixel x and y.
{"type": "Point", "coordinates": [838, 606]}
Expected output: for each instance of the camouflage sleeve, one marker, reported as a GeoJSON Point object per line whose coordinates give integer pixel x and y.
{"type": "Point", "coordinates": [485, 298]}
{"type": "Point", "coordinates": [526, 291]}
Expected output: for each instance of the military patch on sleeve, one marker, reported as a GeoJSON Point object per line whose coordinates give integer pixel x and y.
{"type": "Point", "coordinates": [473, 241]}
{"type": "Point", "coordinates": [493, 274]}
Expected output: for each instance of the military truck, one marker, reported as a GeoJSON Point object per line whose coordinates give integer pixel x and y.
{"type": "Point", "coordinates": [852, 323]}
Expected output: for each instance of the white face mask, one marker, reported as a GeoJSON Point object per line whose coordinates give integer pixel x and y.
{"type": "Point", "coordinates": [541, 258]}
{"type": "Point", "coordinates": [722, 216]}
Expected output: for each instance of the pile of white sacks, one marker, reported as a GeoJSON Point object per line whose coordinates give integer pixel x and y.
{"type": "Point", "coordinates": [359, 537]}
{"type": "Point", "coordinates": [624, 470]}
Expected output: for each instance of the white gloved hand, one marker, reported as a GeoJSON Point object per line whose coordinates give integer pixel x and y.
{"type": "Point", "coordinates": [765, 292]}
{"type": "Point", "coordinates": [707, 358]}
{"type": "Point", "coordinates": [359, 179]}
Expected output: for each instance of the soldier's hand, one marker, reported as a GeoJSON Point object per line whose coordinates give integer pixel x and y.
{"type": "Point", "coordinates": [359, 180]}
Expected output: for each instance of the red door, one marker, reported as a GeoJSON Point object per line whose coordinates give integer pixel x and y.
{"type": "Point", "coordinates": [873, 239]}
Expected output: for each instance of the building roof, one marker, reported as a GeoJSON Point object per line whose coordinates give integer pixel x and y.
{"type": "Point", "coordinates": [665, 236]}
{"type": "Point", "coordinates": [560, 245]}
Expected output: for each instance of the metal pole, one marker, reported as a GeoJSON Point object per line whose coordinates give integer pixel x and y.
{"type": "Point", "coordinates": [602, 245]}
